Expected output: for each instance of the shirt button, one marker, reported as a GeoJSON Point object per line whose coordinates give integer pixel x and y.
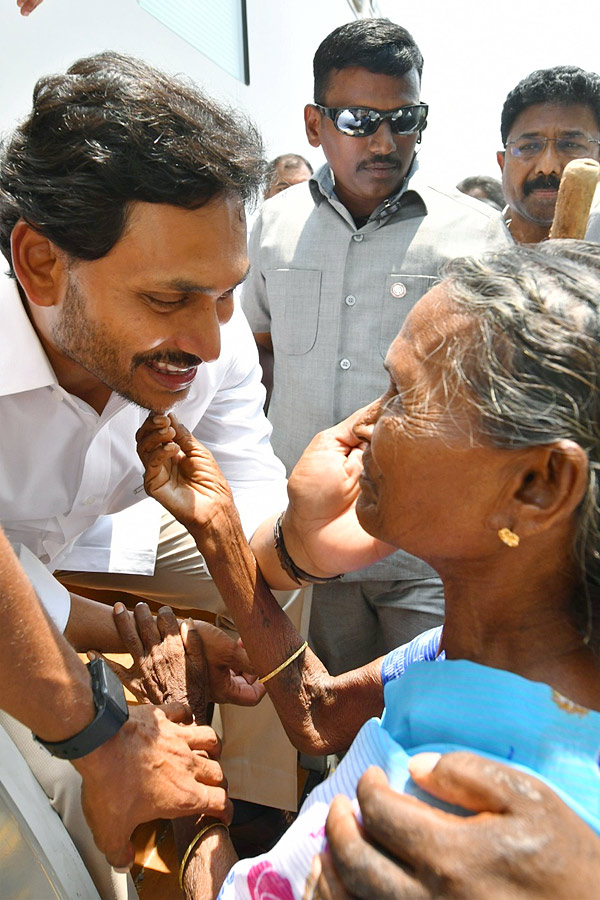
{"type": "Point", "coordinates": [345, 364]}
{"type": "Point", "coordinates": [44, 558]}
{"type": "Point", "coordinates": [89, 501]}
{"type": "Point", "coordinates": [357, 237]}
{"type": "Point", "coordinates": [350, 300]}
{"type": "Point", "coordinates": [398, 290]}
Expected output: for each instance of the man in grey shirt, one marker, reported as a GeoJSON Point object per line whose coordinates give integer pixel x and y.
{"type": "Point", "coordinates": [337, 263]}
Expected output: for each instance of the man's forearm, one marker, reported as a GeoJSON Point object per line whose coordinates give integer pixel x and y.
{"type": "Point", "coordinates": [37, 665]}
{"type": "Point", "coordinates": [263, 548]}
{"type": "Point", "coordinates": [91, 626]}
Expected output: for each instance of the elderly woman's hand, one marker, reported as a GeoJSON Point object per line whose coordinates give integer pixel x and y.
{"type": "Point", "coordinates": [161, 670]}
{"type": "Point", "coordinates": [230, 674]}
{"type": "Point", "coordinates": [196, 664]}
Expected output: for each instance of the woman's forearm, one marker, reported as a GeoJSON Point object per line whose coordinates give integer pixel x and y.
{"type": "Point", "coordinates": [210, 860]}
{"type": "Point", "coordinates": [320, 713]}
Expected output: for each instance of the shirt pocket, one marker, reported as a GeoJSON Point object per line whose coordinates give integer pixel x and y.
{"type": "Point", "coordinates": [294, 300]}
{"type": "Point", "coordinates": [401, 292]}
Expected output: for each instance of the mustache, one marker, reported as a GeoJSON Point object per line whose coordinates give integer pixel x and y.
{"type": "Point", "coordinates": [377, 160]}
{"type": "Point", "coordinates": [542, 183]}
{"type": "Point", "coordinates": [183, 360]}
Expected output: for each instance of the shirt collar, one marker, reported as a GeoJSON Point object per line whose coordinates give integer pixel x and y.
{"type": "Point", "coordinates": [23, 364]}
{"type": "Point", "coordinates": [322, 186]}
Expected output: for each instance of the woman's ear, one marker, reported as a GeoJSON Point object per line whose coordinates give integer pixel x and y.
{"type": "Point", "coordinates": [39, 266]}
{"type": "Point", "coordinates": [551, 487]}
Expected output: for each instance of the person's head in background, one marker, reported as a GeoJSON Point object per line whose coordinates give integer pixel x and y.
{"type": "Point", "coordinates": [122, 217]}
{"type": "Point", "coordinates": [284, 171]}
{"type": "Point", "coordinates": [551, 117]}
{"type": "Point", "coordinates": [483, 187]}
{"type": "Point", "coordinates": [362, 70]}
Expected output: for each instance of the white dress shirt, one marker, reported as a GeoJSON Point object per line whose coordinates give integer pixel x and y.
{"type": "Point", "coordinates": [71, 481]}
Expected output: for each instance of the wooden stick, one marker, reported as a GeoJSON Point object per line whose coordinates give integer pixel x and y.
{"type": "Point", "coordinates": [575, 195]}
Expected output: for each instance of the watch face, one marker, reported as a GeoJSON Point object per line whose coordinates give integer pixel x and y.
{"type": "Point", "coordinates": [107, 689]}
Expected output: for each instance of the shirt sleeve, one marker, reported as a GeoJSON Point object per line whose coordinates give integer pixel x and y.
{"type": "Point", "coordinates": [236, 431]}
{"type": "Point", "coordinates": [255, 301]}
{"type": "Point", "coordinates": [53, 596]}
{"type": "Point", "coordinates": [424, 647]}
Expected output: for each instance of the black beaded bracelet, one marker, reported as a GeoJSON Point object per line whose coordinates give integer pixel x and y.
{"type": "Point", "coordinates": [287, 563]}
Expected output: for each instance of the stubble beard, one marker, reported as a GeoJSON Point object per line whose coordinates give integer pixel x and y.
{"type": "Point", "coordinates": [90, 346]}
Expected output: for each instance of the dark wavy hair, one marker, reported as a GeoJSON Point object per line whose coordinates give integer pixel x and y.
{"type": "Point", "coordinates": [112, 131]}
{"type": "Point", "coordinates": [378, 45]}
{"type": "Point", "coordinates": [564, 85]}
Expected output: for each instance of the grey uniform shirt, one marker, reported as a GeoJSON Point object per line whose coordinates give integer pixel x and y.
{"type": "Point", "coordinates": [334, 296]}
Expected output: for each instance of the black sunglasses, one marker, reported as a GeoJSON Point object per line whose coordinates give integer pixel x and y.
{"type": "Point", "coordinates": [357, 121]}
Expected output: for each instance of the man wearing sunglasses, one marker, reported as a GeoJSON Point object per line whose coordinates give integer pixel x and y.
{"type": "Point", "coordinates": [336, 264]}
{"type": "Point", "coordinates": [551, 117]}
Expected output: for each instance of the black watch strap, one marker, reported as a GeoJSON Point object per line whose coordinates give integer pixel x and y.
{"type": "Point", "coordinates": [111, 713]}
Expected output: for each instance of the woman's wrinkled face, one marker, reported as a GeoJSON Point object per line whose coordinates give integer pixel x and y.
{"type": "Point", "coordinates": [428, 485]}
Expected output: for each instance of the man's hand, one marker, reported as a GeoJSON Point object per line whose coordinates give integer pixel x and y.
{"type": "Point", "coordinates": [27, 6]}
{"type": "Point", "coordinates": [182, 474]}
{"type": "Point", "coordinates": [154, 767]}
{"type": "Point", "coordinates": [523, 841]}
{"type": "Point", "coordinates": [321, 531]}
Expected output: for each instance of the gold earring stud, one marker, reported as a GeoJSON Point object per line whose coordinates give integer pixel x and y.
{"type": "Point", "coordinates": [509, 537]}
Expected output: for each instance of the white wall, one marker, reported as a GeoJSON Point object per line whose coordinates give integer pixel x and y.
{"type": "Point", "coordinates": [476, 51]}
{"type": "Point", "coordinates": [283, 36]}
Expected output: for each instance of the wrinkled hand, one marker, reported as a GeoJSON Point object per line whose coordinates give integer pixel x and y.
{"type": "Point", "coordinates": [181, 473]}
{"type": "Point", "coordinates": [320, 526]}
{"type": "Point", "coordinates": [162, 671]}
{"type": "Point", "coordinates": [27, 6]}
{"type": "Point", "coordinates": [213, 667]}
{"type": "Point", "coordinates": [230, 674]}
{"type": "Point", "coordinates": [152, 768]}
{"type": "Point", "coordinates": [523, 842]}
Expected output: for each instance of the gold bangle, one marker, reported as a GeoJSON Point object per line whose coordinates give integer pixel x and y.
{"type": "Point", "coordinates": [192, 846]}
{"type": "Point", "coordinates": [284, 664]}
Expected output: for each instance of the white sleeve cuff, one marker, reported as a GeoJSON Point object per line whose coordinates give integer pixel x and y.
{"type": "Point", "coordinates": [53, 596]}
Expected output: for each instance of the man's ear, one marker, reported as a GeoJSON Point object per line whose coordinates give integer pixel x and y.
{"type": "Point", "coordinates": [313, 120]}
{"type": "Point", "coordinates": [501, 158]}
{"type": "Point", "coordinates": [551, 487]}
{"type": "Point", "coordinates": [39, 265]}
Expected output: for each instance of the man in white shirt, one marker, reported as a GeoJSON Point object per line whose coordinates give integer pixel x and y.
{"type": "Point", "coordinates": [122, 219]}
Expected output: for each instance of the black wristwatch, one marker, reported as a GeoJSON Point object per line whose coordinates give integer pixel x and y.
{"type": "Point", "coordinates": [111, 713]}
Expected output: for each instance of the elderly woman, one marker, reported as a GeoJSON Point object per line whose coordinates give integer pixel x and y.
{"type": "Point", "coordinates": [482, 459]}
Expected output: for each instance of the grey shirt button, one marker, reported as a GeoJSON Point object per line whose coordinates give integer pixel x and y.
{"type": "Point", "coordinates": [350, 300]}
{"type": "Point", "coordinates": [357, 237]}
{"type": "Point", "coordinates": [345, 364]}
{"type": "Point", "coordinates": [398, 290]}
